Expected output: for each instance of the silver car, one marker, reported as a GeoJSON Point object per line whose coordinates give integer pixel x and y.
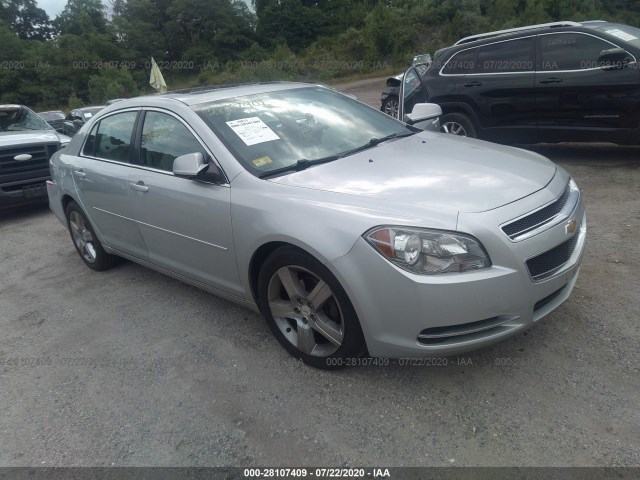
{"type": "Point", "coordinates": [350, 231]}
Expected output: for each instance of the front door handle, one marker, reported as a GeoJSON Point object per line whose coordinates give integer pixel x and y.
{"type": "Point", "coordinates": [79, 173]}
{"type": "Point", "coordinates": [139, 187]}
{"type": "Point", "coordinates": [475, 83]}
{"type": "Point", "coordinates": [551, 80]}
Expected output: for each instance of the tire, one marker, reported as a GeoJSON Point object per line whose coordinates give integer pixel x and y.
{"type": "Point", "coordinates": [390, 106]}
{"type": "Point", "coordinates": [458, 124]}
{"type": "Point", "coordinates": [85, 240]}
{"type": "Point", "coordinates": [324, 335]}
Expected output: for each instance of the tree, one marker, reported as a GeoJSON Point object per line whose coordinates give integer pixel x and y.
{"type": "Point", "coordinates": [82, 16]}
{"type": "Point", "coordinates": [27, 20]}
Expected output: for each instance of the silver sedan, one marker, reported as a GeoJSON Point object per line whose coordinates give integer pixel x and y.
{"type": "Point", "coordinates": [351, 232]}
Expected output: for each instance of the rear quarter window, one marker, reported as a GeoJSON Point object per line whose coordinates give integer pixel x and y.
{"type": "Point", "coordinates": [461, 63]}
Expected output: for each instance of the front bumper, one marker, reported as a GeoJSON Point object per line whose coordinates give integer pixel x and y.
{"type": "Point", "coordinates": [23, 192]}
{"type": "Point", "coordinates": [408, 315]}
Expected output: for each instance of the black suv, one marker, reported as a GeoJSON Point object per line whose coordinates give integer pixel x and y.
{"type": "Point", "coordinates": [556, 82]}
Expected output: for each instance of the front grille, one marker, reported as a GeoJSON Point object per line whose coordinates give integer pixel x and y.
{"type": "Point", "coordinates": [40, 155]}
{"type": "Point", "coordinates": [537, 218]}
{"type": "Point", "coordinates": [547, 263]}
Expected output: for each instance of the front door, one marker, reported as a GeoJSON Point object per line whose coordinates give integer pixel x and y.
{"type": "Point", "coordinates": [186, 224]}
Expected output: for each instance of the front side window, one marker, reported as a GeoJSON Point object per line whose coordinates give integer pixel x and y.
{"type": "Point", "coordinates": [461, 63]}
{"type": "Point", "coordinates": [570, 51]}
{"type": "Point", "coordinates": [411, 83]}
{"type": "Point", "coordinates": [111, 137]}
{"type": "Point", "coordinates": [274, 130]}
{"type": "Point", "coordinates": [507, 57]}
{"type": "Point", "coordinates": [163, 139]}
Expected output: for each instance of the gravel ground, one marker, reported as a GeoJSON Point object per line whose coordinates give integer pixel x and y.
{"type": "Point", "coordinates": [129, 367]}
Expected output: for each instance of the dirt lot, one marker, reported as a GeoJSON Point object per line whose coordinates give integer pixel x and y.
{"type": "Point", "coordinates": [129, 367]}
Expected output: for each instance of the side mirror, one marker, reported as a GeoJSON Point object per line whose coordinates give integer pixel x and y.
{"type": "Point", "coordinates": [422, 112]}
{"type": "Point", "coordinates": [613, 59]}
{"type": "Point", "coordinates": [191, 165]}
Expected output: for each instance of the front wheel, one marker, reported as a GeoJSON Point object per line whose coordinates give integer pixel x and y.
{"type": "Point", "coordinates": [457, 124]}
{"type": "Point", "coordinates": [308, 311]}
{"type": "Point", "coordinates": [390, 106]}
{"type": "Point", "coordinates": [85, 240]}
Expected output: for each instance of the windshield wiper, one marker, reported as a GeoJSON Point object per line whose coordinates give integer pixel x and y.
{"type": "Point", "coordinates": [299, 166]}
{"type": "Point", "coordinates": [303, 164]}
{"type": "Point", "coordinates": [377, 141]}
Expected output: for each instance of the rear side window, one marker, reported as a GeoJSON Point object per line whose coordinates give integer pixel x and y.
{"type": "Point", "coordinates": [163, 139]}
{"type": "Point", "coordinates": [570, 51]}
{"type": "Point", "coordinates": [507, 57]}
{"type": "Point", "coordinates": [111, 137]}
{"type": "Point", "coordinates": [461, 63]}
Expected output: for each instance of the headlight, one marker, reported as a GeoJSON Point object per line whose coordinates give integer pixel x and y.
{"type": "Point", "coordinates": [573, 187]}
{"type": "Point", "coordinates": [428, 251]}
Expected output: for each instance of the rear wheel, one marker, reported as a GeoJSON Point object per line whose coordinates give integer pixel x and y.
{"type": "Point", "coordinates": [307, 310]}
{"type": "Point", "coordinates": [457, 124]}
{"type": "Point", "coordinates": [85, 240]}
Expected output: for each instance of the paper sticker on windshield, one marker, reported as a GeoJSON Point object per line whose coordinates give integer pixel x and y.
{"type": "Point", "coordinates": [252, 130]}
{"type": "Point", "coordinates": [616, 32]}
{"type": "Point", "coordinates": [88, 114]}
{"type": "Point", "coordinates": [262, 161]}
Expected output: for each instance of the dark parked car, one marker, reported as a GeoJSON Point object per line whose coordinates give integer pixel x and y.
{"type": "Point", "coordinates": [77, 118]}
{"type": "Point", "coordinates": [26, 145]}
{"type": "Point", "coordinates": [55, 118]}
{"type": "Point", "coordinates": [555, 82]}
{"type": "Point", "coordinates": [389, 98]}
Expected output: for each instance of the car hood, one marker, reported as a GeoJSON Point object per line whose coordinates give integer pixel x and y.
{"type": "Point", "coordinates": [433, 170]}
{"type": "Point", "coordinates": [26, 137]}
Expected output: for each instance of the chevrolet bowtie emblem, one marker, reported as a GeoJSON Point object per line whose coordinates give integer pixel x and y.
{"type": "Point", "coordinates": [571, 226]}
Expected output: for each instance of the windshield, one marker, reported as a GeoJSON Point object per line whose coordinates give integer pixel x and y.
{"type": "Point", "coordinates": [16, 119]}
{"type": "Point", "coordinates": [275, 130]}
{"type": "Point", "coordinates": [90, 112]}
{"type": "Point", "coordinates": [623, 32]}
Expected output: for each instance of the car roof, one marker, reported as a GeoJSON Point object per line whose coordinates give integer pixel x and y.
{"type": "Point", "coordinates": [488, 37]}
{"type": "Point", "coordinates": [201, 95]}
{"type": "Point", "coordinates": [83, 109]}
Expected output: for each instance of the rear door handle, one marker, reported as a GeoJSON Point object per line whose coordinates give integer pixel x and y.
{"type": "Point", "coordinates": [475, 83]}
{"type": "Point", "coordinates": [139, 187]}
{"type": "Point", "coordinates": [551, 80]}
{"type": "Point", "coordinates": [79, 173]}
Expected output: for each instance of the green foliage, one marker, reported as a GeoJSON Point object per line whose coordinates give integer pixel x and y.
{"type": "Point", "coordinates": [86, 56]}
{"type": "Point", "coordinates": [111, 83]}
{"type": "Point", "coordinates": [26, 19]}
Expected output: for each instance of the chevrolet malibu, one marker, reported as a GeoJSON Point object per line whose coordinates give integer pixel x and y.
{"type": "Point", "coordinates": [351, 232]}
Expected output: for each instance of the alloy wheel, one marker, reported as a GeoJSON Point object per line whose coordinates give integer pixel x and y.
{"type": "Point", "coordinates": [453, 128]}
{"type": "Point", "coordinates": [391, 108]}
{"type": "Point", "coordinates": [306, 311]}
{"type": "Point", "coordinates": [82, 237]}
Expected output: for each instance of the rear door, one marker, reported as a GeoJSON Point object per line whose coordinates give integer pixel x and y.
{"type": "Point", "coordinates": [577, 100]}
{"type": "Point", "coordinates": [501, 90]}
{"type": "Point", "coordinates": [100, 174]}
{"type": "Point", "coordinates": [186, 224]}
